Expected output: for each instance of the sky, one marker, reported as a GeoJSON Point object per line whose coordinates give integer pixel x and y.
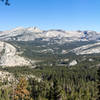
{"type": "Point", "coordinates": [51, 14]}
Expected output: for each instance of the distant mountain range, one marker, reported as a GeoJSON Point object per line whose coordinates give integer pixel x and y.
{"type": "Point", "coordinates": [19, 45]}
{"type": "Point", "coordinates": [33, 33]}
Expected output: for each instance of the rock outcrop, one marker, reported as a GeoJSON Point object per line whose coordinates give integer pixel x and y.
{"type": "Point", "coordinates": [9, 56]}
{"type": "Point", "coordinates": [72, 63]}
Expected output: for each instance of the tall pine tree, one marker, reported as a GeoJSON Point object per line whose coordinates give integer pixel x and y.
{"type": "Point", "coordinates": [98, 83]}
{"type": "Point", "coordinates": [21, 92]}
{"type": "Point", "coordinates": [55, 91]}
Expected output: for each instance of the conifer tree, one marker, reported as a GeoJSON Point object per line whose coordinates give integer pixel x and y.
{"type": "Point", "coordinates": [4, 94]}
{"type": "Point", "coordinates": [98, 83]}
{"type": "Point", "coordinates": [55, 91]}
{"type": "Point", "coordinates": [37, 89]}
{"type": "Point", "coordinates": [6, 2]}
{"type": "Point", "coordinates": [21, 92]}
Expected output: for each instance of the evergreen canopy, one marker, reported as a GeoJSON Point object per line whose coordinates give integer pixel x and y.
{"type": "Point", "coordinates": [6, 2]}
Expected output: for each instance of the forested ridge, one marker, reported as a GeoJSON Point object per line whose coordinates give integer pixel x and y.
{"type": "Point", "coordinates": [54, 83]}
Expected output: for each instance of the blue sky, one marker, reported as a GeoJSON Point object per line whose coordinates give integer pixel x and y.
{"type": "Point", "coordinates": [51, 14]}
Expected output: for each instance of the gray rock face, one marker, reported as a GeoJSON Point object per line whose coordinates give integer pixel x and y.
{"type": "Point", "coordinates": [72, 63]}
{"type": "Point", "coordinates": [21, 34]}
{"type": "Point", "coordinates": [32, 33]}
{"type": "Point", "coordinates": [87, 49]}
{"type": "Point", "coordinates": [9, 57]}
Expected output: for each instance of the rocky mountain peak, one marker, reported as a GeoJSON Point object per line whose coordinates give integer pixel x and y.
{"type": "Point", "coordinates": [34, 29]}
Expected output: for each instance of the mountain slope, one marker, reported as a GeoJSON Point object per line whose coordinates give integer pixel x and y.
{"type": "Point", "coordinates": [33, 33]}
{"type": "Point", "coordinates": [87, 49]}
{"type": "Point", "coordinates": [45, 45]}
{"type": "Point", "coordinates": [9, 56]}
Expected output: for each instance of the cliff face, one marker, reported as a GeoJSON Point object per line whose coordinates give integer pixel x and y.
{"type": "Point", "coordinates": [9, 56]}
